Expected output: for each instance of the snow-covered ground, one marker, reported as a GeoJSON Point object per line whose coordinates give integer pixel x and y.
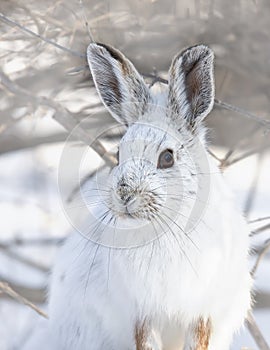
{"type": "Point", "coordinates": [31, 208]}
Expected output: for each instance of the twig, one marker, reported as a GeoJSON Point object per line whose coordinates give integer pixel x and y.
{"type": "Point", "coordinates": [5, 288]}
{"type": "Point", "coordinates": [62, 116]}
{"type": "Point", "coordinates": [253, 187]}
{"type": "Point", "coordinates": [214, 156]}
{"type": "Point", "coordinates": [260, 230]}
{"type": "Point", "coordinates": [223, 162]}
{"type": "Point", "coordinates": [86, 21]}
{"type": "Point", "coordinates": [256, 333]}
{"type": "Point", "coordinates": [247, 154]}
{"type": "Point", "coordinates": [237, 143]}
{"type": "Point", "coordinates": [23, 259]}
{"type": "Point", "coordinates": [262, 300]}
{"type": "Point", "coordinates": [155, 78]}
{"type": "Point", "coordinates": [10, 144]}
{"type": "Point", "coordinates": [259, 219]}
{"type": "Point", "coordinates": [33, 241]}
{"type": "Point", "coordinates": [11, 22]}
{"type": "Point", "coordinates": [34, 294]}
{"type": "Point", "coordinates": [225, 105]}
{"type": "Point", "coordinates": [260, 256]}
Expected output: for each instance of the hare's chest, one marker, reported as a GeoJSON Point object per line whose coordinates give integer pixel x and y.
{"type": "Point", "coordinates": [159, 285]}
{"type": "Point", "coordinates": [171, 284]}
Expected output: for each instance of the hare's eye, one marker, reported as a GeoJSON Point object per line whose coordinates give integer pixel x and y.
{"type": "Point", "coordinates": [165, 159]}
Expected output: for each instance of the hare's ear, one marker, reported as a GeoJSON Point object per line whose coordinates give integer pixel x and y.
{"type": "Point", "coordinates": [191, 84]}
{"type": "Point", "coordinates": [121, 88]}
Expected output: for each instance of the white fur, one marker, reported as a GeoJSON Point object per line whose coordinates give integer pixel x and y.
{"type": "Point", "coordinates": [98, 293]}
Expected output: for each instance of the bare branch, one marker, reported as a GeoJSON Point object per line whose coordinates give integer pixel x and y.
{"type": "Point", "coordinates": [10, 144]}
{"type": "Point", "coordinates": [262, 300]}
{"type": "Point", "coordinates": [23, 259]}
{"type": "Point", "coordinates": [253, 187]}
{"type": "Point", "coordinates": [5, 288]}
{"type": "Point", "coordinates": [33, 241]}
{"type": "Point", "coordinates": [11, 22]}
{"type": "Point", "coordinates": [244, 142]}
{"type": "Point", "coordinates": [86, 21]}
{"type": "Point", "coordinates": [246, 154]}
{"type": "Point", "coordinates": [62, 116]}
{"type": "Point", "coordinates": [256, 333]}
{"type": "Point", "coordinates": [260, 256]}
{"type": "Point", "coordinates": [155, 78]}
{"type": "Point", "coordinates": [260, 230]}
{"type": "Point", "coordinates": [259, 219]}
{"type": "Point", "coordinates": [214, 156]}
{"type": "Point", "coordinates": [264, 122]}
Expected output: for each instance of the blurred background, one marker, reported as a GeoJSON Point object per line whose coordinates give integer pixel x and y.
{"type": "Point", "coordinates": [46, 90]}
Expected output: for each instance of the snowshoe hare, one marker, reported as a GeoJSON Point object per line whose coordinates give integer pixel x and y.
{"type": "Point", "coordinates": [165, 263]}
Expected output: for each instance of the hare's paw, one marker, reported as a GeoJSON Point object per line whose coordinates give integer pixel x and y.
{"type": "Point", "coordinates": [146, 338]}
{"type": "Point", "coordinates": [199, 335]}
{"type": "Point", "coordinates": [153, 342]}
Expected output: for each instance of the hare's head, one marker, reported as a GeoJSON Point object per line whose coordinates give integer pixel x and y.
{"type": "Point", "coordinates": [164, 142]}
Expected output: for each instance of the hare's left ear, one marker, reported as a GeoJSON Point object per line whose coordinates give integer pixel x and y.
{"type": "Point", "coordinates": [121, 88]}
{"type": "Point", "coordinates": [191, 84]}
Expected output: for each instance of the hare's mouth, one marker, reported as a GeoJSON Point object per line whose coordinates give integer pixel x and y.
{"type": "Point", "coordinates": [127, 205]}
{"type": "Point", "coordinates": [136, 206]}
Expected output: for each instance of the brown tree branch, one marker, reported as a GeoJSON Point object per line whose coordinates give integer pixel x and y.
{"type": "Point", "coordinates": [6, 289]}
{"type": "Point", "coordinates": [256, 333]}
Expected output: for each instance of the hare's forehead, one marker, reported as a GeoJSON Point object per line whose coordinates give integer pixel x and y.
{"type": "Point", "coordinates": [149, 135]}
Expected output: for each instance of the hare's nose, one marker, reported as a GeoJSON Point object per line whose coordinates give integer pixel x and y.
{"type": "Point", "coordinates": [128, 199]}
{"type": "Point", "coordinates": [125, 193]}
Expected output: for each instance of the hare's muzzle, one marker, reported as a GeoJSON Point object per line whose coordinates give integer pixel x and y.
{"type": "Point", "coordinates": [127, 199]}
{"type": "Point", "coordinates": [125, 193]}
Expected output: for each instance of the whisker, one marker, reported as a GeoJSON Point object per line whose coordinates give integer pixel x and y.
{"type": "Point", "coordinates": [90, 269]}
{"type": "Point", "coordinates": [182, 230]}
{"type": "Point", "coordinates": [182, 195]}
{"type": "Point", "coordinates": [153, 246]}
{"type": "Point", "coordinates": [109, 254]}
{"type": "Point", "coordinates": [97, 196]}
{"type": "Point", "coordinates": [88, 204]}
{"type": "Point", "coordinates": [181, 249]}
{"type": "Point", "coordinates": [103, 189]}
{"type": "Point", "coordinates": [98, 246]}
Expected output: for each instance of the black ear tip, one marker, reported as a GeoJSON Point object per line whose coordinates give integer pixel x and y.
{"type": "Point", "coordinates": [92, 49]}
{"type": "Point", "coordinates": [104, 50]}
{"type": "Point", "coordinates": [198, 52]}
{"type": "Point", "coordinates": [96, 48]}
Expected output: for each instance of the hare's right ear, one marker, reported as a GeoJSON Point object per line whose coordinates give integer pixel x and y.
{"type": "Point", "coordinates": [121, 88]}
{"type": "Point", "coordinates": [191, 84]}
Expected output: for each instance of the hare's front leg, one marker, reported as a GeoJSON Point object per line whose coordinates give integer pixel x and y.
{"type": "Point", "coordinates": [146, 338]}
{"type": "Point", "coordinates": [199, 335]}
